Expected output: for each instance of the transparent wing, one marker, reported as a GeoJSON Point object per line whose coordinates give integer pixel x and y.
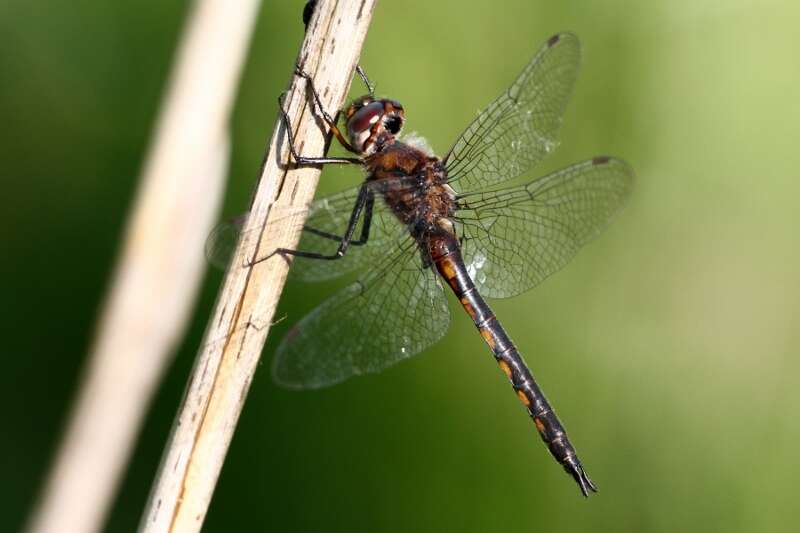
{"type": "Point", "coordinates": [221, 242]}
{"type": "Point", "coordinates": [325, 225]}
{"type": "Point", "coordinates": [514, 238]}
{"type": "Point", "coordinates": [521, 126]}
{"type": "Point", "coordinates": [331, 216]}
{"type": "Point", "coordinates": [394, 311]}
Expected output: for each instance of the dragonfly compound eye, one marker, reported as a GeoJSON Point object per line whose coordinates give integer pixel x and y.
{"type": "Point", "coordinates": [373, 124]}
{"type": "Point", "coordinates": [393, 124]}
{"type": "Point", "coordinates": [362, 123]}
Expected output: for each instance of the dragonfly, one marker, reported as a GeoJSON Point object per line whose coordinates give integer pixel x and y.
{"type": "Point", "coordinates": [418, 224]}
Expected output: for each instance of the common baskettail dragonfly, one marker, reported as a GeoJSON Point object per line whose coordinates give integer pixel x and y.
{"type": "Point", "coordinates": [418, 219]}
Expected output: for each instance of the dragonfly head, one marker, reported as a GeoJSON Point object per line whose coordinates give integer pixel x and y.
{"type": "Point", "coordinates": [373, 123]}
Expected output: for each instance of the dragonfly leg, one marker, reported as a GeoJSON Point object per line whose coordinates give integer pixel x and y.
{"type": "Point", "coordinates": [364, 203]}
{"type": "Point", "coordinates": [326, 117]}
{"type": "Point", "coordinates": [365, 79]}
{"type": "Point", "coordinates": [362, 239]}
{"type": "Point", "coordinates": [302, 160]}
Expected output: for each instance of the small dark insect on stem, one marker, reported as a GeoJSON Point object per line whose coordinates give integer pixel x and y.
{"type": "Point", "coordinates": [308, 10]}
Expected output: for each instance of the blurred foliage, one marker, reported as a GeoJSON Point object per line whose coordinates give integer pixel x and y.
{"type": "Point", "coordinates": [668, 346]}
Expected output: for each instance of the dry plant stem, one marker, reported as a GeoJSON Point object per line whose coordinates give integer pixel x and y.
{"type": "Point", "coordinates": [237, 330]}
{"type": "Point", "coordinates": [158, 272]}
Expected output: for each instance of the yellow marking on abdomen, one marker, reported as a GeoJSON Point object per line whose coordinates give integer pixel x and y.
{"type": "Point", "coordinates": [539, 424]}
{"type": "Point", "coordinates": [468, 307]}
{"type": "Point", "coordinates": [523, 398]}
{"type": "Point", "coordinates": [488, 337]}
{"type": "Point", "coordinates": [505, 368]}
{"type": "Point", "coordinates": [447, 269]}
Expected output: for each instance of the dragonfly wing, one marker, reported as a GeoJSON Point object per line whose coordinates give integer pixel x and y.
{"type": "Point", "coordinates": [331, 216]}
{"type": "Point", "coordinates": [514, 238]}
{"type": "Point", "coordinates": [325, 225]}
{"type": "Point", "coordinates": [392, 312]}
{"type": "Point", "coordinates": [520, 127]}
{"type": "Point", "coordinates": [221, 242]}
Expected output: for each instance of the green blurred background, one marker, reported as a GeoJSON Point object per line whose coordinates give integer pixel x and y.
{"type": "Point", "coordinates": [668, 346]}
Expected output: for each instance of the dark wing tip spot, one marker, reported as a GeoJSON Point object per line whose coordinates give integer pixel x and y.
{"type": "Point", "coordinates": [551, 42]}
{"type": "Point", "coordinates": [601, 160]}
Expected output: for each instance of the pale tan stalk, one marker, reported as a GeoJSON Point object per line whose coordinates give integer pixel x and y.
{"type": "Point", "coordinates": [158, 272]}
{"type": "Point", "coordinates": [240, 323]}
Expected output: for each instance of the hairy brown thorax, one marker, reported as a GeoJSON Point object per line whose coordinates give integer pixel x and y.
{"type": "Point", "coordinates": [415, 187]}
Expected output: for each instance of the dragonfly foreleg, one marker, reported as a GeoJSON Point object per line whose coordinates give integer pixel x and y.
{"type": "Point", "coordinates": [365, 79]}
{"type": "Point", "coordinates": [326, 117]}
{"type": "Point", "coordinates": [302, 160]}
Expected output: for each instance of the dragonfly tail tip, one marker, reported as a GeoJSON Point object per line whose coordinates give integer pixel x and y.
{"type": "Point", "coordinates": [575, 469]}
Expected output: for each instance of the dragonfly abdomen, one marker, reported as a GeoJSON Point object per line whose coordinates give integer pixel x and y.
{"type": "Point", "coordinates": [447, 258]}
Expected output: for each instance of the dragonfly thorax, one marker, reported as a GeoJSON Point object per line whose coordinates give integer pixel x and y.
{"type": "Point", "coordinates": [373, 123]}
